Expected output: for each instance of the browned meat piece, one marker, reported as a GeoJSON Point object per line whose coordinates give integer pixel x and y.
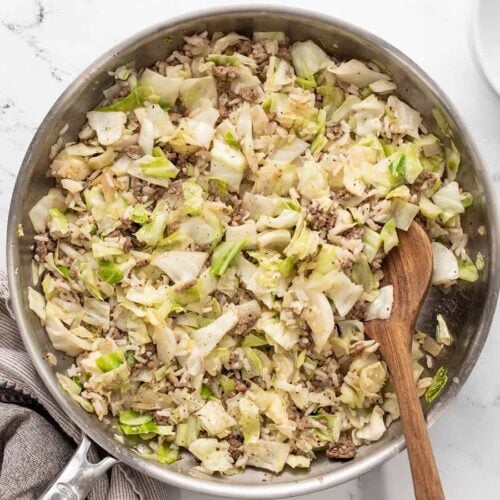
{"type": "Point", "coordinates": [144, 191]}
{"type": "Point", "coordinates": [334, 132]}
{"type": "Point", "coordinates": [134, 151]}
{"type": "Point", "coordinates": [43, 248]}
{"type": "Point", "coordinates": [175, 188]}
{"type": "Point", "coordinates": [239, 213]}
{"type": "Point", "coordinates": [162, 419]}
{"type": "Point", "coordinates": [284, 53]}
{"type": "Point", "coordinates": [358, 311]}
{"type": "Point", "coordinates": [354, 234]}
{"type": "Point", "coordinates": [240, 387]}
{"type": "Point", "coordinates": [235, 447]}
{"type": "Point", "coordinates": [342, 195]}
{"type": "Point", "coordinates": [344, 449]}
{"type": "Point", "coordinates": [319, 219]}
{"type": "Point", "coordinates": [244, 325]}
{"type": "Point", "coordinates": [226, 73]}
{"type": "Point", "coordinates": [249, 94]}
{"type": "Point", "coordinates": [259, 53]}
{"type": "Point", "coordinates": [243, 47]}
{"type": "Point", "coordinates": [424, 181]}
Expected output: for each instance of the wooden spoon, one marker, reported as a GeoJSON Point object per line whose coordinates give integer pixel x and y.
{"type": "Point", "coordinates": [408, 268]}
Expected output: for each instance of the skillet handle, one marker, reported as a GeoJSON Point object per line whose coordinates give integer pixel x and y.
{"type": "Point", "coordinates": [79, 476]}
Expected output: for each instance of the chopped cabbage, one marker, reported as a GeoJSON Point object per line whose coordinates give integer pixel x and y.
{"type": "Point", "coordinates": [109, 126]}
{"type": "Point", "coordinates": [445, 265]}
{"type": "Point", "coordinates": [407, 120]}
{"type": "Point", "coordinates": [375, 428]}
{"type": "Point", "coordinates": [269, 455]}
{"type": "Point", "coordinates": [308, 59]}
{"type": "Point", "coordinates": [208, 337]}
{"type": "Point", "coordinates": [357, 73]}
{"type": "Point", "coordinates": [193, 91]}
{"type": "Point", "coordinates": [443, 335]}
{"type": "Point", "coordinates": [181, 266]}
{"type": "Point", "coordinates": [227, 164]}
{"type": "Point", "coordinates": [39, 214]}
{"type": "Point", "coordinates": [381, 307]}
{"type": "Point", "coordinates": [249, 420]}
{"type": "Point", "coordinates": [224, 254]}
{"type": "Point", "coordinates": [215, 420]}
{"type": "Point", "coordinates": [213, 454]}
{"type": "Point", "coordinates": [166, 88]}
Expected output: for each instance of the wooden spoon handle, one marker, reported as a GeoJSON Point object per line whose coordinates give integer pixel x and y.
{"type": "Point", "coordinates": [426, 480]}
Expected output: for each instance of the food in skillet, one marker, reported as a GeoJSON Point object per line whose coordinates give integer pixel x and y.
{"type": "Point", "coordinates": [214, 244]}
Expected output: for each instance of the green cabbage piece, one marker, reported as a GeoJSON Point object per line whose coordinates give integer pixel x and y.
{"type": "Point", "coordinates": [187, 432]}
{"type": "Point", "coordinates": [249, 420]}
{"type": "Point", "coordinates": [135, 99]}
{"type": "Point", "coordinates": [158, 166]}
{"type": "Point", "coordinates": [40, 213]}
{"type": "Point", "coordinates": [152, 232]}
{"type": "Point", "coordinates": [181, 266]}
{"type": "Point", "coordinates": [445, 265]}
{"type": "Point", "coordinates": [165, 87]}
{"type": "Point", "coordinates": [428, 209]}
{"type": "Point", "coordinates": [194, 91]}
{"type": "Point", "coordinates": [389, 235]}
{"type": "Point", "coordinates": [443, 335]}
{"type": "Point", "coordinates": [452, 161]}
{"type": "Point", "coordinates": [232, 141]}
{"type": "Point", "coordinates": [36, 302]}
{"type": "Point", "coordinates": [357, 73]}
{"type": "Point", "coordinates": [467, 270]}
{"type": "Point", "coordinates": [304, 241]}
{"type": "Point", "coordinates": [449, 200]}
{"type": "Point", "coordinates": [403, 213]}
{"type": "Point", "coordinates": [308, 59]}
{"type": "Point", "coordinates": [438, 382]}
{"type": "Point", "coordinates": [276, 332]}
{"type": "Point", "coordinates": [213, 454]}
{"type": "Point", "coordinates": [372, 242]}
{"type": "Point", "coordinates": [279, 74]}
{"type": "Point", "coordinates": [193, 198]}
{"type": "Point", "coordinates": [224, 60]}
{"type": "Point", "coordinates": [227, 163]}
{"type": "Point", "coordinates": [269, 455]}
{"type": "Point", "coordinates": [224, 254]}
{"type": "Point", "coordinates": [74, 390]}
{"type": "Point", "coordinates": [166, 454]}
{"type": "Point", "coordinates": [109, 272]}
{"type": "Point", "coordinates": [110, 361]}
{"type": "Point", "coordinates": [130, 417]}
{"type": "Point", "coordinates": [215, 420]}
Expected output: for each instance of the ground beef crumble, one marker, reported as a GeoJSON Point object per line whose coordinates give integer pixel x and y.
{"type": "Point", "coordinates": [354, 234]}
{"type": "Point", "coordinates": [244, 325]}
{"type": "Point", "coordinates": [358, 311]}
{"type": "Point", "coordinates": [319, 219]}
{"type": "Point", "coordinates": [243, 47]}
{"type": "Point", "coordinates": [334, 132]}
{"type": "Point", "coordinates": [144, 191]}
{"type": "Point", "coordinates": [43, 248]}
{"type": "Point", "coordinates": [344, 449]}
{"type": "Point", "coordinates": [226, 73]}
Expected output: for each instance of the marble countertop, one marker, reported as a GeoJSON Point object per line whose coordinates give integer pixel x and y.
{"type": "Point", "coordinates": [47, 43]}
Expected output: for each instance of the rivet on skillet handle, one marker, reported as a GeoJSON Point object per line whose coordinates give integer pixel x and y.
{"type": "Point", "coordinates": [79, 476]}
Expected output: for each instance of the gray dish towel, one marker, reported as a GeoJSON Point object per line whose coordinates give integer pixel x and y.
{"type": "Point", "coordinates": [37, 438]}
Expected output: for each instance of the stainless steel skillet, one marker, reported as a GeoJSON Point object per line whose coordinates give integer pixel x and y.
{"type": "Point", "coordinates": [469, 308]}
